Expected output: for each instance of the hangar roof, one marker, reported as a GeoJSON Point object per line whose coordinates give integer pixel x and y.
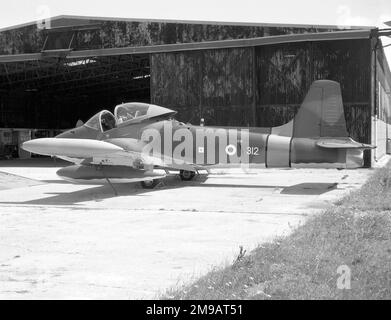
{"type": "Point", "coordinates": [75, 33]}
{"type": "Point", "coordinates": [64, 20]}
{"type": "Point", "coordinates": [71, 37]}
{"type": "Point", "coordinates": [236, 43]}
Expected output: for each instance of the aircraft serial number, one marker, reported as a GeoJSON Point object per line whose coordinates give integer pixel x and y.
{"type": "Point", "coordinates": [253, 151]}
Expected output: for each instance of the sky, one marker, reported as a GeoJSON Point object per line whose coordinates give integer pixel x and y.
{"type": "Point", "coordinates": [329, 12]}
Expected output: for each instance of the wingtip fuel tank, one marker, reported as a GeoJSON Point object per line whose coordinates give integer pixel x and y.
{"type": "Point", "coordinates": [78, 148]}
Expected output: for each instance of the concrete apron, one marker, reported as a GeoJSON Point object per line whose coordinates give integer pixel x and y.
{"type": "Point", "coordinates": [66, 241]}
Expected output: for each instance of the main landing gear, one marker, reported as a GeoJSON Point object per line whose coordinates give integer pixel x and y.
{"type": "Point", "coordinates": [186, 175]}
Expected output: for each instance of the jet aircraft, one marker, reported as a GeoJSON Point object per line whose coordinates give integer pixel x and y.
{"type": "Point", "coordinates": [139, 138]}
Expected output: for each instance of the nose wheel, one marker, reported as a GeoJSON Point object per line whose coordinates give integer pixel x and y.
{"type": "Point", "coordinates": [186, 175]}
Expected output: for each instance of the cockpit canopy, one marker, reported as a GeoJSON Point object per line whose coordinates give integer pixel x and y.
{"type": "Point", "coordinates": [132, 112]}
{"type": "Point", "coordinates": [137, 112]}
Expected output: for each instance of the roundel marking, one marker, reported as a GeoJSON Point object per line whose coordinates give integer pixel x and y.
{"type": "Point", "coordinates": [230, 149]}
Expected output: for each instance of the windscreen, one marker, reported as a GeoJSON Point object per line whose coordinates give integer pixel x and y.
{"type": "Point", "coordinates": [102, 121]}
{"type": "Point", "coordinates": [93, 122]}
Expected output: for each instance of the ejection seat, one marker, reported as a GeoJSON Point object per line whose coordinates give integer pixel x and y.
{"type": "Point", "coordinates": [107, 121]}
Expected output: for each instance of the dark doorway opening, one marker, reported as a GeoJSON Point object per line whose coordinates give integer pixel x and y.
{"type": "Point", "coordinates": [55, 92]}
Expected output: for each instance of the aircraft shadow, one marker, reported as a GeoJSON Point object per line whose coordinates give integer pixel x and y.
{"type": "Point", "coordinates": [309, 188]}
{"type": "Point", "coordinates": [96, 193]}
{"type": "Point", "coordinates": [92, 193]}
{"type": "Point", "coordinates": [41, 162]}
{"type": "Point", "coordinates": [102, 192]}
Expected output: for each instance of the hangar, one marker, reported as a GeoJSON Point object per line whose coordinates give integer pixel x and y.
{"type": "Point", "coordinates": [59, 70]}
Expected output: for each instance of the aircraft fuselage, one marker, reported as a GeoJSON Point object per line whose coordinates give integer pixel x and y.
{"type": "Point", "coordinates": [225, 146]}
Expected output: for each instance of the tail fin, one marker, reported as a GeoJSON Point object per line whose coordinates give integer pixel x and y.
{"type": "Point", "coordinates": [321, 116]}
{"type": "Point", "coordinates": [321, 113]}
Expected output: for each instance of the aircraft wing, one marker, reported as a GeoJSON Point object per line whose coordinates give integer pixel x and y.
{"type": "Point", "coordinates": [124, 152]}
{"type": "Point", "coordinates": [133, 151]}
{"type": "Point", "coordinates": [342, 143]}
{"type": "Point", "coordinates": [139, 160]}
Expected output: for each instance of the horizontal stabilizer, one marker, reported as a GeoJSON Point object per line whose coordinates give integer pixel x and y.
{"type": "Point", "coordinates": [77, 148]}
{"type": "Point", "coordinates": [342, 143]}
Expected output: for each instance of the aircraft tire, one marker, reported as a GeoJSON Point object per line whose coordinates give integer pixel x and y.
{"type": "Point", "coordinates": [149, 184]}
{"type": "Point", "coordinates": [186, 175]}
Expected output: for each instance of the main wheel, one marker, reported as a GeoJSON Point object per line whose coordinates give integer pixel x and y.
{"type": "Point", "coordinates": [186, 175]}
{"type": "Point", "coordinates": [149, 184]}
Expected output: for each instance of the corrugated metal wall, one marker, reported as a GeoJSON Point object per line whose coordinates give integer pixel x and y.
{"type": "Point", "coordinates": [382, 126]}
{"type": "Point", "coordinates": [285, 73]}
{"type": "Point", "coordinates": [214, 84]}
{"type": "Point", "coordinates": [263, 86]}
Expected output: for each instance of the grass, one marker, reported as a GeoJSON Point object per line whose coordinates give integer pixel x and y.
{"type": "Point", "coordinates": [355, 232]}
